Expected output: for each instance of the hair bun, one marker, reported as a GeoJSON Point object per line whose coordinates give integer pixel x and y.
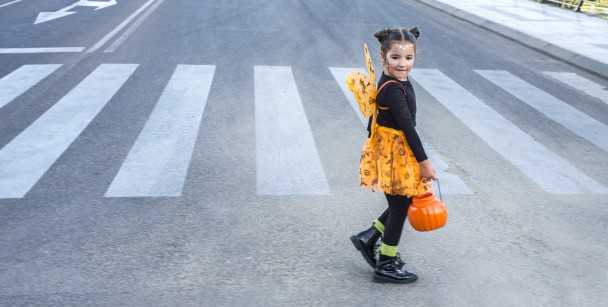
{"type": "Point", "coordinates": [382, 34]}
{"type": "Point", "coordinates": [415, 32]}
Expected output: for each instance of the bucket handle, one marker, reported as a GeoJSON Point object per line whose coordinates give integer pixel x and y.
{"type": "Point", "coordinates": [438, 187]}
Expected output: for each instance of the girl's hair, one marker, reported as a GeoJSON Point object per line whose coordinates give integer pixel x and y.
{"type": "Point", "coordinates": [387, 36]}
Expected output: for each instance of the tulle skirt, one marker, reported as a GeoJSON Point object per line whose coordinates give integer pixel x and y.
{"type": "Point", "coordinates": [388, 165]}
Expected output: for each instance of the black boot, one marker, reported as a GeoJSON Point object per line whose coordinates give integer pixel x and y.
{"type": "Point", "coordinates": [398, 262]}
{"type": "Point", "coordinates": [389, 269]}
{"type": "Point", "coordinates": [365, 242]}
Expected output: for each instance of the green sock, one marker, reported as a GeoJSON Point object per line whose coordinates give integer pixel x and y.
{"type": "Point", "coordinates": [387, 250]}
{"type": "Point", "coordinates": [379, 226]}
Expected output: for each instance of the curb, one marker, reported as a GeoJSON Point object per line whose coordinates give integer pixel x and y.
{"type": "Point", "coordinates": [536, 43]}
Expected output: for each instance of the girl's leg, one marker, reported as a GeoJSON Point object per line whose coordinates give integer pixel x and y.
{"type": "Point", "coordinates": [381, 221]}
{"type": "Point", "coordinates": [365, 241]}
{"type": "Point", "coordinates": [395, 218]}
{"type": "Point", "coordinates": [389, 267]}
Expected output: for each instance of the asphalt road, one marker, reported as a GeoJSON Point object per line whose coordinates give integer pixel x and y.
{"type": "Point", "coordinates": [203, 153]}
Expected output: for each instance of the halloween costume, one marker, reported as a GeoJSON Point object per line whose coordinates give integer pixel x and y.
{"type": "Point", "coordinates": [389, 163]}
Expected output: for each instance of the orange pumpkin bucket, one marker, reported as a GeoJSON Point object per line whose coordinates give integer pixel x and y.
{"type": "Point", "coordinates": [427, 213]}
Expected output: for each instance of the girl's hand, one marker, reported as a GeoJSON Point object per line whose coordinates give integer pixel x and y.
{"type": "Point", "coordinates": [427, 170]}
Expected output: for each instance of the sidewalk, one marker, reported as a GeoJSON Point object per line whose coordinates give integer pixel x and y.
{"type": "Point", "coordinates": [576, 38]}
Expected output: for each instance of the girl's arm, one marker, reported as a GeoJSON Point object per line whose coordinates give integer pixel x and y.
{"type": "Point", "coordinates": [397, 104]}
{"type": "Point", "coordinates": [394, 96]}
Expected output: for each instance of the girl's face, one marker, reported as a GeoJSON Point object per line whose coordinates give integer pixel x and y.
{"type": "Point", "coordinates": [399, 60]}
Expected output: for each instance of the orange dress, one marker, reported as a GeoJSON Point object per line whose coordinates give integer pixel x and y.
{"type": "Point", "coordinates": [388, 165]}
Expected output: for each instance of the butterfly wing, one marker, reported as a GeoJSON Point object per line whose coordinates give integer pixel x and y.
{"type": "Point", "coordinates": [364, 87]}
{"type": "Point", "coordinates": [364, 90]}
{"type": "Point", "coordinates": [370, 68]}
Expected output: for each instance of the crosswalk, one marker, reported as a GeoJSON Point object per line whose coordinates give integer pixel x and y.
{"type": "Point", "coordinates": [158, 161]}
{"type": "Point", "coordinates": [550, 171]}
{"type": "Point", "coordinates": [27, 157]}
{"type": "Point", "coordinates": [287, 159]}
{"type": "Point", "coordinates": [20, 80]}
{"type": "Point", "coordinates": [286, 155]}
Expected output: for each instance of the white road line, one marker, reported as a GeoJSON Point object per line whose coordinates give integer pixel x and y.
{"type": "Point", "coordinates": [12, 2]}
{"type": "Point", "coordinates": [41, 50]}
{"type": "Point", "coordinates": [23, 78]}
{"type": "Point", "coordinates": [576, 121]}
{"type": "Point", "coordinates": [548, 170]}
{"type": "Point", "coordinates": [110, 35]}
{"type": "Point", "coordinates": [452, 184]}
{"type": "Point", "coordinates": [340, 76]}
{"type": "Point", "coordinates": [158, 162]}
{"type": "Point", "coordinates": [581, 84]}
{"type": "Point", "coordinates": [287, 159]}
{"type": "Point", "coordinates": [132, 28]}
{"type": "Point", "coordinates": [26, 158]}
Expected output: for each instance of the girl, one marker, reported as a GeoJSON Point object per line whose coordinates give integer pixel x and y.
{"type": "Point", "coordinates": [393, 159]}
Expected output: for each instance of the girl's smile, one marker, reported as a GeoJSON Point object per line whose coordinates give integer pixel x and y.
{"type": "Point", "coordinates": [399, 60]}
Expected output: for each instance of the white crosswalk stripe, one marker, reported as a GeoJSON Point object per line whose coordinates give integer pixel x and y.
{"type": "Point", "coordinates": [581, 84]}
{"type": "Point", "coordinates": [20, 80]}
{"type": "Point", "coordinates": [158, 161]}
{"type": "Point", "coordinates": [340, 74]}
{"type": "Point", "coordinates": [576, 121]}
{"type": "Point", "coordinates": [286, 154]}
{"type": "Point", "coordinates": [287, 160]}
{"type": "Point", "coordinates": [547, 169]}
{"type": "Point", "coordinates": [27, 157]}
{"type": "Point", "coordinates": [451, 184]}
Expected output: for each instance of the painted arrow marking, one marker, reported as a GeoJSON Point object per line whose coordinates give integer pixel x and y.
{"type": "Point", "coordinates": [46, 16]}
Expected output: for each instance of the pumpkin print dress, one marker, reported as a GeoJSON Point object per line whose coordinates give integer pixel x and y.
{"type": "Point", "coordinates": [389, 160]}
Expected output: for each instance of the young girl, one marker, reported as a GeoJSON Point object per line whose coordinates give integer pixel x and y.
{"type": "Point", "coordinates": [393, 159]}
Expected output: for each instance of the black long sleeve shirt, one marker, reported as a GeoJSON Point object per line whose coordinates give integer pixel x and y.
{"type": "Point", "coordinates": [401, 114]}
